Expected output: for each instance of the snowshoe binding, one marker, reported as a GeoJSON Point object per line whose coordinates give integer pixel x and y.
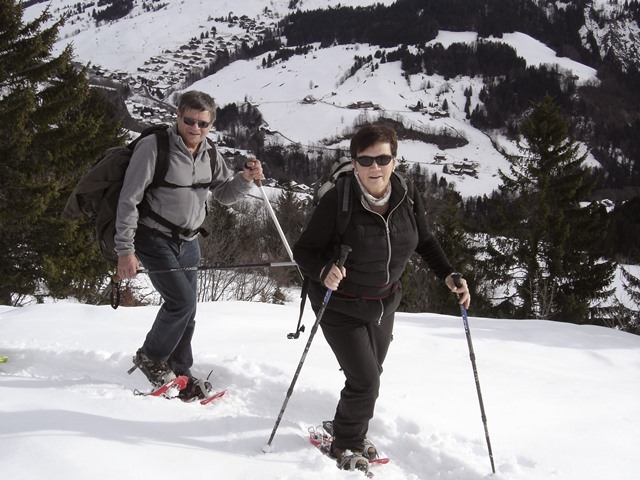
{"type": "Point", "coordinates": [158, 373]}
{"type": "Point", "coordinates": [196, 389]}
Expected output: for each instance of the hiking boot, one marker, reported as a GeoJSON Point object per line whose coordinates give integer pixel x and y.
{"type": "Point", "coordinates": [158, 373]}
{"type": "Point", "coordinates": [196, 389]}
{"type": "Point", "coordinates": [349, 459]}
{"type": "Point", "coordinates": [369, 450]}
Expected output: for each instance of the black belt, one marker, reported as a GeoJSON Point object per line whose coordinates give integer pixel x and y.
{"type": "Point", "coordinates": [368, 293]}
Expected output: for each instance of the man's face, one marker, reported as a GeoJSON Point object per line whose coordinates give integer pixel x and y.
{"type": "Point", "coordinates": [197, 132]}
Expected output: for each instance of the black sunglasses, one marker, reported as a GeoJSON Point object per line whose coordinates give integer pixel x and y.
{"type": "Point", "coordinates": [192, 121]}
{"type": "Point", "coordinates": [367, 161]}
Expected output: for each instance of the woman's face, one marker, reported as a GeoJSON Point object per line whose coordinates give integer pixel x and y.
{"type": "Point", "coordinates": [375, 178]}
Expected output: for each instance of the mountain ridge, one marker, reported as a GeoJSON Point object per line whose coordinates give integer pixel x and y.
{"type": "Point", "coordinates": [221, 42]}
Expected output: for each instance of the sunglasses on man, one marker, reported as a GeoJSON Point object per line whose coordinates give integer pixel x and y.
{"type": "Point", "coordinates": [367, 161]}
{"type": "Point", "coordinates": [192, 121]}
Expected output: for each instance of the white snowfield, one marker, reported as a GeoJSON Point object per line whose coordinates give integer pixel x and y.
{"type": "Point", "coordinates": [561, 400]}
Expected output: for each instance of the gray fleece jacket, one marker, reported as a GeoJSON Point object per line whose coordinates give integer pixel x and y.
{"type": "Point", "coordinates": [184, 207]}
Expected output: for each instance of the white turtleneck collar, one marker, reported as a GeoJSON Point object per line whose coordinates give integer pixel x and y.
{"type": "Point", "coordinates": [371, 200]}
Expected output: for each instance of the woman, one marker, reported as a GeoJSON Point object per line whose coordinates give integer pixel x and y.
{"type": "Point", "coordinates": [386, 225]}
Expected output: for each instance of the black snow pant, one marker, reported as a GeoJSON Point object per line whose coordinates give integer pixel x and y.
{"type": "Point", "coordinates": [359, 332]}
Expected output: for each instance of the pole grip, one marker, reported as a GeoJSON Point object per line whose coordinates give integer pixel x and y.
{"type": "Point", "coordinates": [114, 293]}
{"type": "Point", "coordinates": [456, 279]}
{"type": "Point", "coordinates": [258, 182]}
{"type": "Point", "coordinates": [344, 251]}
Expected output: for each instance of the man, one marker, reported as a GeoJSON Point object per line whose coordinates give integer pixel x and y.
{"type": "Point", "coordinates": [167, 238]}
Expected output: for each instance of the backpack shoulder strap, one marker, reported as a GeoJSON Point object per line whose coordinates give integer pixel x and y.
{"type": "Point", "coordinates": [213, 157]}
{"type": "Point", "coordinates": [162, 160]}
{"type": "Point", "coordinates": [304, 292]}
{"type": "Point", "coordinates": [343, 186]}
{"type": "Point", "coordinates": [159, 178]}
{"type": "Point", "coordinates": [402, 179]}
{"type": "Point", "coordinates": [407, 186]}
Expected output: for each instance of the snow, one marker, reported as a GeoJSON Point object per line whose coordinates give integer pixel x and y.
{"type": "Point", "coordinates": [278, 91]}
{"type": "Point", "coordinates": [560, 399]}
{"type": "Point", "coordinates": [532, 50]}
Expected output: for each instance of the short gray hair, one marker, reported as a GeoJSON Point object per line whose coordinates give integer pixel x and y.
{"type": "Point", "coordinates": [195, 100]}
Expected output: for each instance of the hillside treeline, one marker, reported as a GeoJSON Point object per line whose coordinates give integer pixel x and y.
{"type": "Point", "coordinates": [414, 22]}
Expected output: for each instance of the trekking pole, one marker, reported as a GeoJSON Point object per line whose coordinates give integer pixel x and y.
{"type": "Point", "coordinates": [299, 328]}
{"type": "Point", "coordinates": [114, 286]}
{"type": "Point", "coordinates": [222, 267]}
{"type": "Point", "coordinates": [344, 251]}
{"type": "Point", "coordinates": [277, 224]}
{"type": "Point", "coordinates": [456, 280]}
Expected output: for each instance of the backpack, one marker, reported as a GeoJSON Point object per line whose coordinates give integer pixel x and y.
{"type": "Point", "coordinates": [340, 179]}
{"type": "Point", "coordinates": [97, 193]}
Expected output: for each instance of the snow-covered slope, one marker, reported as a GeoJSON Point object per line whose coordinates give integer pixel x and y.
{"type": "Point", "coordinates": [561, 400]}
{"type": "Point", "coordinates": [613, 31]}
{"type": "Point", "coordinates": [310, 99]}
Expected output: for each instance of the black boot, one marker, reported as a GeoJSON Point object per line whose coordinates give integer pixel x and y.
{"type": "Point", "coordinates": [158, 373]}
{"type": "Point", "coordinates": [196, 389]}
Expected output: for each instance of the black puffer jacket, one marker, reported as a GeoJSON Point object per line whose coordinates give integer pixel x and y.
{"type": "Point", "coordinates": [380, 246]}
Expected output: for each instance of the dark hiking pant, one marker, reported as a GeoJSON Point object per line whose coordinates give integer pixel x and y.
{"type": "Point", "coordinates": [360, 342]}
{"type": "Point", "coordinates": [170, 336]}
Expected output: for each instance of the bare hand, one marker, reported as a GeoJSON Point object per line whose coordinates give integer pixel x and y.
{"type": "Point", "coordinates": [462, 291]}
{"type": "Point", "coordinates": [252, 170]}
{"type": "Point", "coordinates": [128, 266]}
{"type": "Point", "coordinates": [334, 277]}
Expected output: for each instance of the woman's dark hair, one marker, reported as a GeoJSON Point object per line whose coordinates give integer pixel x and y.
{"type": "Point", "coordinates": [195, 100]}
{"type": "Point", "coordinates": [370, 135]}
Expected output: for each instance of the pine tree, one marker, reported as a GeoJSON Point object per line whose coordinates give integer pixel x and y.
{"type": "Point", "coordinates": [52, 126]}
{"type": "Point", "coordinates": [629, 316]}
{"type": "Point", "coordinates": [422, 290]}
{"type": "Point", "coordinates": [546, 245]}
{"type": "Point", "coordinates": [461, 252]}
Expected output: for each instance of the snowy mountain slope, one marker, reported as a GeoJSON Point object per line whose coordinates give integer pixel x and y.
{"type": "Point", "coordinates": [279, 92]}
{"type": "Point", "coordinates": [132, 47]}
{"type": "Point", "coordinates": [561, 399]}
{"type": "Point", "coordinates": [613, 31]}
{"type": "Point", "coordinates": [142, 34]}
